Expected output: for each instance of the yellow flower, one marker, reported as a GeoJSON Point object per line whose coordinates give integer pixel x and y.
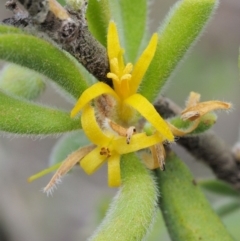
{"type": "Point", "coordinates": [114, 108]}
{"type": "Point", "coordinates": [126, 84]}
{"type": "Point", "coordinates": [126, 80]}
{"type": "Point", "coordinates": [110, 147]}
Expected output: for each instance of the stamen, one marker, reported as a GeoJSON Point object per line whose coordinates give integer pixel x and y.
{"type": "Point", "coordinates": [128, 69]}
{"type": "Point", "coordinates": [113, 76]}
{"type": "Point", "coordinates": [126, 77]}
{"type": "Point", "coordinates": [105, 151]}
{"type": "Point", "coordinates": [114, 66]}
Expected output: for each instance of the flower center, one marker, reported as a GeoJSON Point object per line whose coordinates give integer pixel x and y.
{"type": "Point", "coordinates": [121, 75]}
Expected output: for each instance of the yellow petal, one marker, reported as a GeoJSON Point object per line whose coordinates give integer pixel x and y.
{"type": "Point", "coordinates": [91, 127]}
{"type": "Point", "coordinates": [194, 112]}
{"type": "Point", "coordinates": [44, 172]}
{"type": "Point", "coordinates": [92, 161]}
{"type": "Point", "coordinates": [146, 109]}
{"type": "Point", "coordinates": [138, 142]}
{"type": "Point", "coordinates": [113, 44]}
{"type": "Point", "coordinates": [143, 63]}
{"type": "Point", "coordinates": [114, 172]}
{"type": "Point", "coordinates": [90, 94]}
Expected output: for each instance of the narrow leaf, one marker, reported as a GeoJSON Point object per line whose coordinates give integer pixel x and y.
{"type": "Point", "coordinates": [45, 58]}
{"type": "Point", "coordinates": [22, 117]}
{"type": "Point", "coordinates": [133, 209]}
{"type": "Point", "coordinates": [180, 30]}
{"type": "Point", "coordinates": [187, 213]}
{"type": "Point", "coordinates": [98, 17]}
{"type": "Point", "coordinates": [134, 17]}
{"type": "Point", "coordinates": [218, 187]}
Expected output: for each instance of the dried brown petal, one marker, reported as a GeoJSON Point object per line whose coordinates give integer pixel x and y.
{"type": "Point", "coordinates": [193, 99]}
{"type": "Point", "coordinates": [66, 166]}
{"type": "Point", "coordinates": [202, 108]}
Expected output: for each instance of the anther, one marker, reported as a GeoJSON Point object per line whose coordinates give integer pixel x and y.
{"type": "Point", "coordinates": [105, 151]}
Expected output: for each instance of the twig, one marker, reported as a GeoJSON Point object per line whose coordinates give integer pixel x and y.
{"type": "Point", "coordinates": [206, 147]}
{"type": "Point", "coordinates": [67, 27]}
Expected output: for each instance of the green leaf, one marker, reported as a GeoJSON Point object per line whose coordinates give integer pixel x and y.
{"type": "Point", "coordinates": [45, 58]}
{"type": "Point", "coordinates": [228, 208]}
{"type": "Point", "coordinates": [180, 30]}
{"type": "Point", "coordinates": [5, 29]}
{"type": "Point", "coordinates": [131, 18]}
{"type": "Point", "coordinates": [218, 187]}
{"type": "Point", "coordinates": [133, 209]}
{"type": "Point", "coordinates": [22, 117]}
{"type": "Point", "coordinates": [21, 82]}
{"type": "Point", "coordinates": [186, 212]}
{"type": "Point", "coordinates": [66, 145]}
{"type": "Point", "coordinates": [98, 17]}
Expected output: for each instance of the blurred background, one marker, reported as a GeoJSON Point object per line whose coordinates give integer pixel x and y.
{"type": "Point", "coordinates": [74, 210]}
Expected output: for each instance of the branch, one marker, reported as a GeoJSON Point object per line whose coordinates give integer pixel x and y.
{"type": "Point", "coordinates": [65, 26]}
{"type": "Point", "coordinates": [206, 147]}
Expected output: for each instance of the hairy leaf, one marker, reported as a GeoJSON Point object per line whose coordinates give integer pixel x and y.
{"type": "Point", "coordinates": [180, 30]}
{"type": "Point", "coordinates": [45, 58]}
{"type": "Point", "coordinates": [22, 117]}
{"type": "Point", "coordinates": [187, 213]}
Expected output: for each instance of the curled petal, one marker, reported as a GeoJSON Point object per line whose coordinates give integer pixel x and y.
{"type": "Point", "coordinates": [202, 108]}
{"type": "Point", "coordinates": [150, 162]}
{"type": "Point", "coordinates": [138, 142]}
{"type": "Point", "coordinates": [143, 63]}
{"type": "Point", "coordinates": [66, 166]}
{"type": "Point", "coordinates": [91, 127]}
{"type": "Point", "coordinates": [114, 172]}
{"type": "Point", "coordinates": [157, 157]}
{"type": "Point", "coordinates": [182, 132]}
{"type": "Point", "coordinates": [92, 161]}
{"type": "Point", "coordinates": [90, 94]}
{"type": "Point", "coordinates": [146, 109]}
